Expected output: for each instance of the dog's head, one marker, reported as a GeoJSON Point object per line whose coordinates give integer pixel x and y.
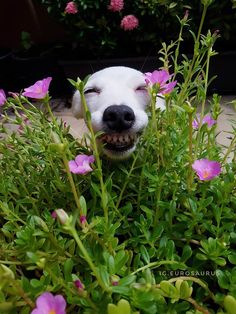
{"type": "Point", "coordinates": [117, 98]}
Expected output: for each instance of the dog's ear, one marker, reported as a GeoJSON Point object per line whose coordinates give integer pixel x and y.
{"type": "Point", "coordinates": [77, 109]}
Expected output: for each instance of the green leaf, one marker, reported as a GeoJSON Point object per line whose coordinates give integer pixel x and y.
{"type": "Point", "coordinates": [230, 304]}
{"type": "Point", "coordinates": [220, 261]}
{"type": "Point", "coordinates": [145, 254]}
{"type": "Point", "coordinates": [128, 280]}
{"type": "Point", "coordinates": [104, 275]}
{"type": "Point", "coordinates": [186, 254]}
{"type": "Point", "coordinates": [83, 205]}
{"type": "Point", "coordinates": [169, 289]}
{"type": "Point", "coordinates": [184, 289]}
{"type": "Point", "coordinates": [68, 266]}
{"type": "Point", "coordinates": [120, 260]}
{"type": "Point", "coordinates": [223, 279]}
{"type": "Point", "coordinates": [232, 258]}
{"type": "Point", "coordinates": [201, 257]}
{"type": "Point", "coordinates": [122, 307]}
{"type": "Point", "coordinates": [111, 265]}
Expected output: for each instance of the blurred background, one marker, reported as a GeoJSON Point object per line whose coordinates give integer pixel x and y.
{"type": "Point", "coordinates": [40, 38]}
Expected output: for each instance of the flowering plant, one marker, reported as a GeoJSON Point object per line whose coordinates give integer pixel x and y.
{"type": "Point", "coordinates": [153, 234]}
{"type": "Point", "coordinates": [103, 28]}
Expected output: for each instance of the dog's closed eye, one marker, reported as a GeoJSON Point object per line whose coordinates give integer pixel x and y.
{"type": "Point", "coordinates": [92, 90]}
{"type": "Point", "coordinates": [141, 88]}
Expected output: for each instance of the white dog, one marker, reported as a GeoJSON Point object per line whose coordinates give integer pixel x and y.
{"type": "Point", "coordinates": [117, 98]}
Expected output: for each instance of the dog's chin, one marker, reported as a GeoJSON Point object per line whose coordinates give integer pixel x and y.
{"type": "Point", "coordinates": [119, 146]}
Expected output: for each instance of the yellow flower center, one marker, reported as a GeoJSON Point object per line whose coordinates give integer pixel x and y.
{"type": "Point", "coordinates": [206, 174]}
{"type": "Point", "coordinates": [52, 312]}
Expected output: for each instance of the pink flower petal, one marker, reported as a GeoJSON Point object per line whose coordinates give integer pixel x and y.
{"type": "Point", "coordinates": [2, 97]}
{"type": "Point", "coordinates": [60, 304]}
{"type": "Point", "coordinates": [168, 88]}
{"type": "Point", "coordinates": [206, 169]}
{"type": "Point", "coordinates": [38, 90]}
{"type": "Point", "coordinates": [129, 22]}
{"type": "Point", "coordinates": [48, 303]}
{"type": "Point", "coordinates": [71, 8]}
{"type": "Point", "coordinates": [160, 78]}
{"type": "Point", "coordinates": [81, 164]}
{"type": "Point", "coordinates": [73, 166]}
{"type": "Point", "coordinates": [116, 5]}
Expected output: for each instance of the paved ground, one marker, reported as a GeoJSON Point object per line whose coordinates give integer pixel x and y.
{"type": "Point", "coordinates": [224, 125]}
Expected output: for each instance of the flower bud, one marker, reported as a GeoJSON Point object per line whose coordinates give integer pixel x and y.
{"type": "Point", "coordinates": [61, 215]}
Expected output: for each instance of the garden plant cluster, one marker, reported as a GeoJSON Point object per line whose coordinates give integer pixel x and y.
{"type": "Point", "coordinates": [101, 29]}
{"type": "Point", "coordinates": [151, 234]}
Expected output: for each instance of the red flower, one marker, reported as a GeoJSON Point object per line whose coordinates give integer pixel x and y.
{"type": "Point", "coordinates": [129, 22]}
{"type": "Point", "coordinates": [116, 5]}
{"type": "Point", "coordinates": [71, 8]}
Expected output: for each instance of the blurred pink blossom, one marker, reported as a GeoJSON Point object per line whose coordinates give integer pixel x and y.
{"type": "Point", "coordinates": [3, 97]}
{"type": "Point", "coordinates": [71, 8]}
{"type": "Point", "coordinates": [206, 120]}
{"type": "Point", "coordinates": [38, 90]}
{"type": "Point", "coordinates": [206, 169]}
{"type": "Point", "coordinates": [160, 78]}
{"type": "Point", "coordinates": [47, 303]}
{"type": "Point", "coordinates": [116, 5]}
{"type": "Point", "coordinates": [81, 164]}
{"type": "Point", "coordinates": [129, 22]}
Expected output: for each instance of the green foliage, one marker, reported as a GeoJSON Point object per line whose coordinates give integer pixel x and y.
{"type": "Point", "coordinates": [156, 239]}
{"type": "Point", "coordinates": [96, 32]}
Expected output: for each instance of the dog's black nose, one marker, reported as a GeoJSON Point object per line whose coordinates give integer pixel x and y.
{"type": "Point", "coordinates": [118, 117]}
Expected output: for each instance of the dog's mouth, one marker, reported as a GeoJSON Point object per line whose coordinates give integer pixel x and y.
{"type": "Point", "coordinates": [119, 142]}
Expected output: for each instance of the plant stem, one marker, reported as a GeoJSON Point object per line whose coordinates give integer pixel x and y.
{"type": "Point", "coordinates": [198, 139]}
{"type": "Point", "coordinates": [154, 265]}
{"type": "Point", "coordinates": [190, 146]}
{"type": "Point", "coordinates": [197, 306]}
{"type": "Point", "coordinates": [231, 146]}
{"type": "Point", "coordinates": [97, 157]}
{"type": "Point", "coordinates": [70, 178]}
{"type": "Point", "coordinates": [88, 259]}
{"type": "Point", "coordinates": [195, 55]}
{"type": "Point", "coordinates": [126, 182]}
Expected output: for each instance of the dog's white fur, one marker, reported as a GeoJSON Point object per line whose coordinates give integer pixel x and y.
{"type": "Point", "coordinates": [115, 86]}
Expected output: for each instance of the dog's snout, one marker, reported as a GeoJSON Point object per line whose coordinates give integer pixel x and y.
{"type": "Point", "coordinates": [118, 117]}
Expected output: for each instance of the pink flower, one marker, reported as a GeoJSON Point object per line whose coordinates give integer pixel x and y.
{"type": "Point", "coordinates": [38, 90]}
{"type": "Point", "coordinates": [47, 303]}
{"type": "Point", "coordinates": [206, 169]}
{"type": "Point", "coordinates": [160, 78]}
{"type": "Point", "coordinates": [81, 164]}
{"type": "Point", "coordinates": [116, 5]}
{"type": "Point", "coordinates": [3, 97]}
{"type": "Point", "coordinates": [129, 22]}
{"type": "Point", "coordinates": [61, 215]}
{"type": "Point", "coordinates": [206, 120]}
{"type": "Point", "coordinates": [71, 8]}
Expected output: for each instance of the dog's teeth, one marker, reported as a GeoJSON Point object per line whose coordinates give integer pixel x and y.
{"type": "Point", "coordinates": [121, 138]}
{"type": "Point", "coordinates": [126, 137]}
